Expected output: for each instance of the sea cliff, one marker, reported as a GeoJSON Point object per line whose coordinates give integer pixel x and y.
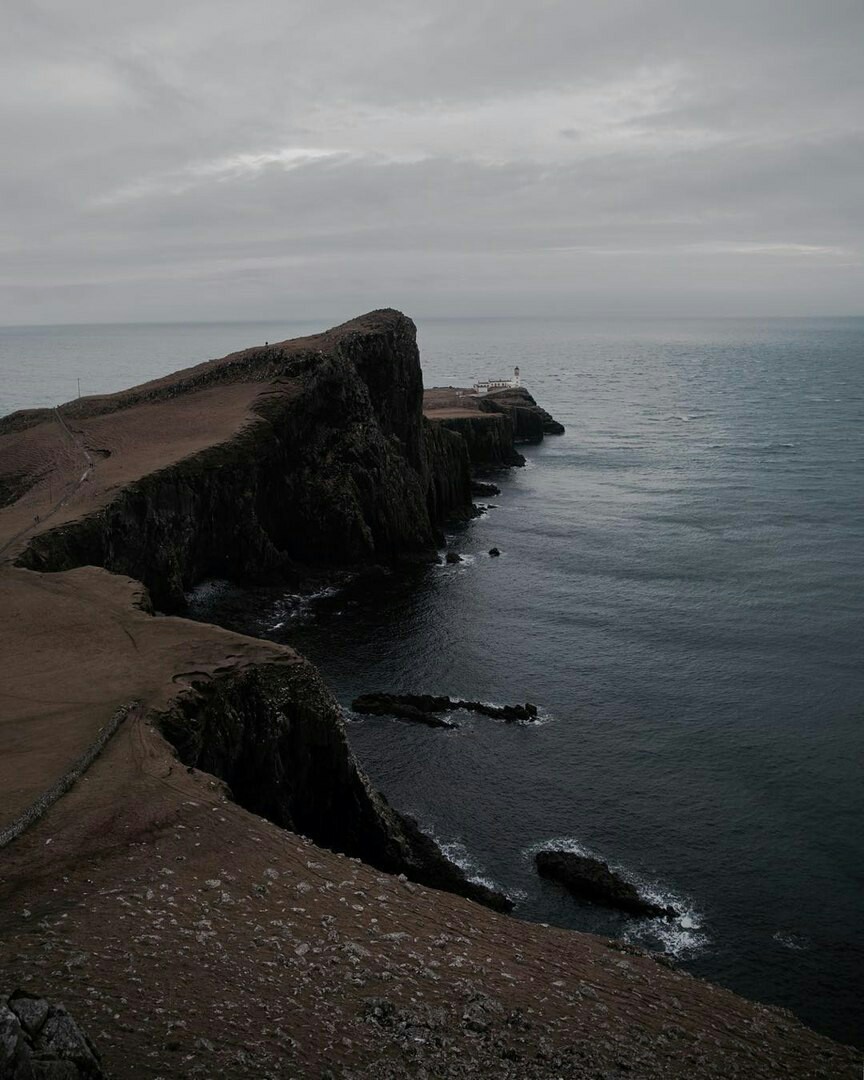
{"type": "Point", "coordinates": [173, 897]}
{"type": "Point", "coordinates": [335, 467]}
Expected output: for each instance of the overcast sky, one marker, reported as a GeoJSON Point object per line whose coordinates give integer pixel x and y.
{"type": "Point", "coordinates": [201, 159]}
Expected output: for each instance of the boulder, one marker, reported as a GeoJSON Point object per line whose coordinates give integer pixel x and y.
{"type": "Point", "coordinates": [591, 879]}
{"type": "Point", "coordinates": [41, 1040]}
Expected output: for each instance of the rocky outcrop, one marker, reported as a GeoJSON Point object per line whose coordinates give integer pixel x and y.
{"type": "Point", "coordinates": [13, 486]}
{"type": "Point", "coordinates": [423, 706]}
{"type": "Point", "coordinates": [335, 467]}
{"type": "Point", "coordinates": [488, 438]}
{"type": "Point", "coordinates": [490, 424]}
{"type": "Point", "coordinates": [591, 879]}
{"type": "Point", "coordinates": [338, 468]}
{"type": "Point", "coordinates": [274, 734]}
{"type": "Point", "coordinates": [530, 421]}
{"type": "Point", "coordinates": [41, 1041]}
{"type": "Point", "coordinates": [482, 487]}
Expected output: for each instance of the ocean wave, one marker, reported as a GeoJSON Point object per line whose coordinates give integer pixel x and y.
{"type": "Point", "coordinates": [795, 942]}
{"type": "Point", "coordinates": [293, 606]}
{"type": "Point", "coordinates": [466, 561]}
{"type": "Point", "coordinates": [542, 718]}
{"type": "Point", "coordinates": [754, 448]}
{"type": "Point", "coordinates": [207, 591]}
{"type": "Point", "coordinates": [680, 937]}
{"type": "Point", "coordinates": [681, 418]}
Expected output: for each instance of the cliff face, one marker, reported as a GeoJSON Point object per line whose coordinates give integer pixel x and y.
{"type": "Point", "coordinates": [448, 491]}
{"type": "Point", "coordinates": [146, 890]}
{"type": "Point", "coordinates": [490, 424]}
{"type": "Point", "coordinates": [337, 468]}
{"type": "Point", "coordinates": [530, 421]}
{"type": "Point", "coordinates": [274, 734]}
{"type": "Point", "coordinates": [488, 438]}
{"type": "Point", "coordinates": [321, 457]}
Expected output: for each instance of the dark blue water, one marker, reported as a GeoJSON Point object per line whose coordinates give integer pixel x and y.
{"type": "Point", "coordinates": [681, 591]}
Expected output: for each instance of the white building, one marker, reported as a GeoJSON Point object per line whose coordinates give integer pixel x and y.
{"type": "Point", "coordinates": [498, 384]}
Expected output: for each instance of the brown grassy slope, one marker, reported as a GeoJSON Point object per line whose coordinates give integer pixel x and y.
{"type": "Point", "coordinates": [192, 938]}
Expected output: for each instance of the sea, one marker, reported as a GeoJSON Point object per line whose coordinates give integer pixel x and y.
{"type": "Point", "coordinates": [680, 591]}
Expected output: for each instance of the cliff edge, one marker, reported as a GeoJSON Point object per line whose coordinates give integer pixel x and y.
{"type": "Point", "coordinates": [169, 892]}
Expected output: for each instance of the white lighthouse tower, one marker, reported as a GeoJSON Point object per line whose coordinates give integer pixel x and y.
{"type": "Point", "coordinates": [498, 384]}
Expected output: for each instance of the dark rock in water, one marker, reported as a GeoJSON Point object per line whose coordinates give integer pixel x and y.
{"type": "Point", "coordinates": [422, 708]}
{"type": "Point", "coordinates": [452, 557]}
{"type": "Point", "coordinates": [591, 879]}
{"type": "Point", "coordinates": [481, 487]}
{"type": "Point", "coordinates": [38, 1039]}
{"type": "Point", "coordinates": [415, 706]}
{"type": "Point", "coordinates": [494, 552]}
{"type": "Point", "coordinates": [401, 708]}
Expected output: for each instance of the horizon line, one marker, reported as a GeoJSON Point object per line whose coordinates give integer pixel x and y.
{"type": "Point", "coordinates": [426, 318]}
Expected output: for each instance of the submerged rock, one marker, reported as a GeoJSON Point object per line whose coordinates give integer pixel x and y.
{"type": "Point", "coordinates": [494, 552]}
{"type": "Point", "coordinates": [452, 557]}
{"type": "Point", "coordinates": [591, 879]}
{"type": "Point", "coordinates": [423, 706]}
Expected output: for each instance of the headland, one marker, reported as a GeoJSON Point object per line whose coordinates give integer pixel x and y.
{"type": "Point", "coordinates": [213, 887]}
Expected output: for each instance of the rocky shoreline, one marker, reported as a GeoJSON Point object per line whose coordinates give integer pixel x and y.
{"type": "Point", "coordinates": [427, 708]}
{"type": "Point", "coordinates": [225, 836]}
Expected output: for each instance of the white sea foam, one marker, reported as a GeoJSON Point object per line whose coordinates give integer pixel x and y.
{"type": "Point", "coordinates": [207, 590]}
{"type": "Point", "coordinates": [458, 853]}
{"type": "Point", "coordinates": [467, 561]}
{"type": "Point", "coordinates": [560, 843]}
{"type": "Point", "coordinates": [294, 606]}
{"type": "Point", "coordinates": [680, 937]}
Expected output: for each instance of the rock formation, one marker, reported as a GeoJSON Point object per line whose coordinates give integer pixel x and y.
{"type": "Point", "coordinates": [490, 424]}
{"type": "Point", "coordinates": [591, 879]}
{"type": "Point", "coordinates": [265, 463]}
{"type": "Point", "coordinates": [422, 707]}
{"type": "Point", "coordinates": [41, 1041]}
{"type": "Point", "coordinates": [274, 734]}
{"type": "Point", "coordinates": [189, 934]}
{"type": "Point", "coordinates": [334, 466]}
{"type": "Point", "coordinates": [530, 421]}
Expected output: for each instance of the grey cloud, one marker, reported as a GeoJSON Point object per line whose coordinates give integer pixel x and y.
{"type": "Point", "coordinates": [555, 155]}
